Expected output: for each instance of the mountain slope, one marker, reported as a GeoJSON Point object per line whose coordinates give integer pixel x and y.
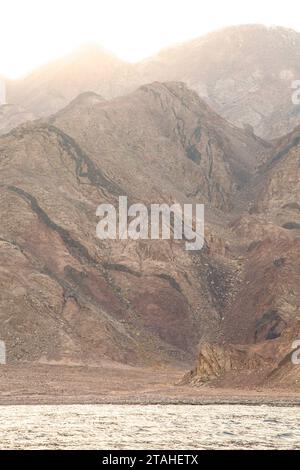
{"type": "Point", "coordinates": [265, 313]}
{"type": "Point", "coordinates": [166, 130]}
{"type": "Point", "coordinates": [71, 298]}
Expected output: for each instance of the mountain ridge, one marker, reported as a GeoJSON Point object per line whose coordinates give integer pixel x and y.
{"type": "Point", "coordinates": [258, 94]}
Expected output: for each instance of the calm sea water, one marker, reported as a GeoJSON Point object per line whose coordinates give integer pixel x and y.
{"type": "Point", "coordinates": [149, 427]}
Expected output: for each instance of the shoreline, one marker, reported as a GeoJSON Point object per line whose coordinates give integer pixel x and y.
{"type": "Point", "coordinates": [242, 400]}
{"type": "Point", "coordinates": [118, 385]}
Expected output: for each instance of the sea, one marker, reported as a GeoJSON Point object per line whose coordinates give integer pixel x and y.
{"type": "Point", "coordinates": [160, 427]}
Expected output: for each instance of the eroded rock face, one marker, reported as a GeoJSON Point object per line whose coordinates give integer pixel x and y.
{"type": "Point", "coordinates": [280, 197]}
{"type": "Point", "coordinates": [215, 360]}
{"type": "Point", "coordinates": [286, 373]}
{"type": "Point", "coordinates": [264, 311]}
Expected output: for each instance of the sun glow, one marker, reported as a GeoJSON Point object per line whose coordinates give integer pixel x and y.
{"type": "Point", "coordinates": [34, 32]}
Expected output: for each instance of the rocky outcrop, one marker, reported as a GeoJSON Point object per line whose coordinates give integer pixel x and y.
{"type": "Point", "coordinates": [215, 360]}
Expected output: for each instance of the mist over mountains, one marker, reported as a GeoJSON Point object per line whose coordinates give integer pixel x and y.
{"type": "Point", "coordinates": [245, 73]}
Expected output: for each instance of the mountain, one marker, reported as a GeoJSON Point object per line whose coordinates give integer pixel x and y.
{"type": "Point", "coordinates": [71, 298]}
{"type": "Point", "coordinates": [219, 158]}
{"type": "Point", "coordinates": [262, 321]}
{"type": "Point", "coordinates": [244, 72]}
{"type": "Point", "coordinates": [12, 116]}
{"type": "Point", "coordinates": [53, 86]}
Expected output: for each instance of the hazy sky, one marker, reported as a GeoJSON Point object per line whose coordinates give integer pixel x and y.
{"type": "Point", "coordinates": [32, 32]}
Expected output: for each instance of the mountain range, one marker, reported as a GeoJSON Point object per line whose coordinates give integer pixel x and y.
{"type": "Point", "coordinates": [245, 73]}
{"type": "Point", "coordinates": [70, 298]}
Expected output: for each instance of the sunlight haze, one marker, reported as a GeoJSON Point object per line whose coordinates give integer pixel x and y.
{"type": "Point", "coordinates": [131, 30]}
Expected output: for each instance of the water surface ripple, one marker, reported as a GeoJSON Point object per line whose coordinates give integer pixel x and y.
{"type": "Point", "coordinates": [149, 427]}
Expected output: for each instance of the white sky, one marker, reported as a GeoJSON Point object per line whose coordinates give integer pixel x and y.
{"type": "Point", "coordinates": [32, 32]}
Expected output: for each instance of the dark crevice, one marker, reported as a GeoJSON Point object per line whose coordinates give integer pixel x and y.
{"type": "Point", "coordinates": [121, 268]}
{"type": "Point", "coordinates": [291, 226]}
{"type": "Point", "coordinates": [74, 247]}
{"type": "Point", "coordinates": [173, 283]}
{"type": "Point", "coordinates": [295, 141]}
{"type": "Point", "coordinates": [85, 167]}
